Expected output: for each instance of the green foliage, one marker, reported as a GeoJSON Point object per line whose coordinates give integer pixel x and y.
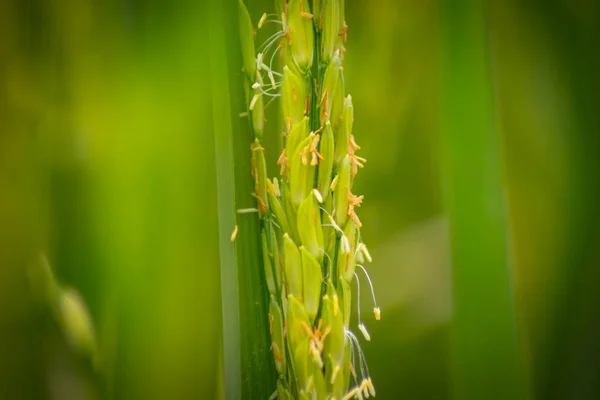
{"type": "Point", "coordinates": [123, 157]}
{"type": "Point", "coordinates": [483, 300]}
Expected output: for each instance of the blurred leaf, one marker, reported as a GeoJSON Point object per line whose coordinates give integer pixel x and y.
{"type": "Point", "coordinates": [484, 357]}
{"type": "Point", "coordinates": [226, 206]}
{"type": "Point", "coordinates": [248, 364]}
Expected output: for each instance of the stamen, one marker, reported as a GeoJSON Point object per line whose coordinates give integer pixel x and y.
{"type": "Point", "coordinates": [355, 160]}
{"type": "Point", "coordinates": [276, 190]}
{"type": "Point", "coordinates": [272, 21]}
{"type": "Point", "coordinates": [262, 20]}
{"type": "Point", "coordinates": [352, 393]}
{"type": "Point", "coordinates": [354, 201]}
{"type": "Point", "coordinates": [253, 102]}
{"type": "Point", "coordinates": [269, 42]}
{"type": "Point", "coordinates": [364, 388]}
{"type": "Point", "coordinates": [316, 156]}
{"type": "Point", "coordinates": [234, 233]}
{"type": "Point", "coordinates": [336, 304]}
{"type": "Point", "coordinates": [272, 79]}
{"type": "Point", "coordinates": [370, 386]}
{"type": "Point", "coordinates": [268, 91]}
{"type": "Point", "coordinates": [333, 183]}
{"type": "Point", "coordinates": [304, 13]}
{"type": "Point", "coordinates": [364, 331]}
{"type": "Point", "coordinates": [259, 61]}
{"type": "Point", "coordinates": [247, 210]}
{"type": "Point", "coordinates": [376, 310]}
{"type": "Point", "coordinates": [259, 78]}
{"type": "Point", "coordinates": [303, 155]}
{"type": "Point", "coordinates": [365, 251]}
{"type": "Point", "coordinates": [318, 195]}
{"type": "Point", "coordinates": [282, 161]}
{"type": "Point", "coordinates": [345, 245]}
{"type": "Point", "coordinates": [364, 369]}
{"type": "Point", "coordinates": [358, 255]}
{"type": "Point", "coordinates": [334, 224]}
{"type": "Point", "coordinates": [358, 299]}
{"type": "Point", "coordinates": [334, 372]}
{"type": "Point", "coordinates": [278, 37]}
{"type": "Point", "coordinates": [351, 343]}
{"type": "Point", "coordinates": [316, 355]}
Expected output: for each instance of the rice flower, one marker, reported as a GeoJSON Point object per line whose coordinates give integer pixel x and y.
{"type": "Point", "coordinates": [312, 248]}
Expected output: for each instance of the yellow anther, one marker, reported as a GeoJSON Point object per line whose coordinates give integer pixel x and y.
{"type": "Point", "coordinates": [276, 190]}
{"type": "Point", "coordinates": [364, 388]}
{"type": "Point", "coordinates": [334, 373]}
{"type": "Point", "coordinates": [354, 201]}
{"type": "Point", "coordinates": [234, 233]}
{"type": "Point", "coordinates": [363, 330]}
{"type": "Point", "coordinates": [365, 252]}
{"type": "Point", "coordinates": [313, 149]}
{"type": "Point", "coordinates": [282, 161]}
{"type": "Point", "coordinates": [345, 245]}
{"type": "Point", "coordinates": [318, 195]}
{"type": "Point", "coordinates": [344, 33]}
{"type": "Point", "coordinates": [272, 79]}
{"type": "Point", "coordinates": [316, 354]}
{"type": "Point", "coordinates": [333, 183]}
{"type": "Point", "coordinates": [336, 305]}
{"type": "Point", "coordinates": [377, 312]}
{"type": "Point", "coordinates": [262, 20]}
{"type": "Point", "coordinates": [370, 387]}
{"type": "Point", "coordinates": [253, 102]}
{"type": "Point", "coordinates": [355, 160]}
{"type": "Point", "coordinates": [355, 392]}
{"type": "Point", "coordinates": [317, 339]}
{"type": "Point", "coordinates": [304, 13]}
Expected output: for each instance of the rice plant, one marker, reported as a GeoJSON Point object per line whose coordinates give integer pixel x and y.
{"type": "Point", "coordinates": [312, 247]}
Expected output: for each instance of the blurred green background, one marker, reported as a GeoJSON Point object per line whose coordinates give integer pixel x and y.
{"type": "Point", "coordinates": [112, 164]}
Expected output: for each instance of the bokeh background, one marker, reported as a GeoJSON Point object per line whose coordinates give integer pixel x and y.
{"type": "Point", "coordinates": [115, 118]}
